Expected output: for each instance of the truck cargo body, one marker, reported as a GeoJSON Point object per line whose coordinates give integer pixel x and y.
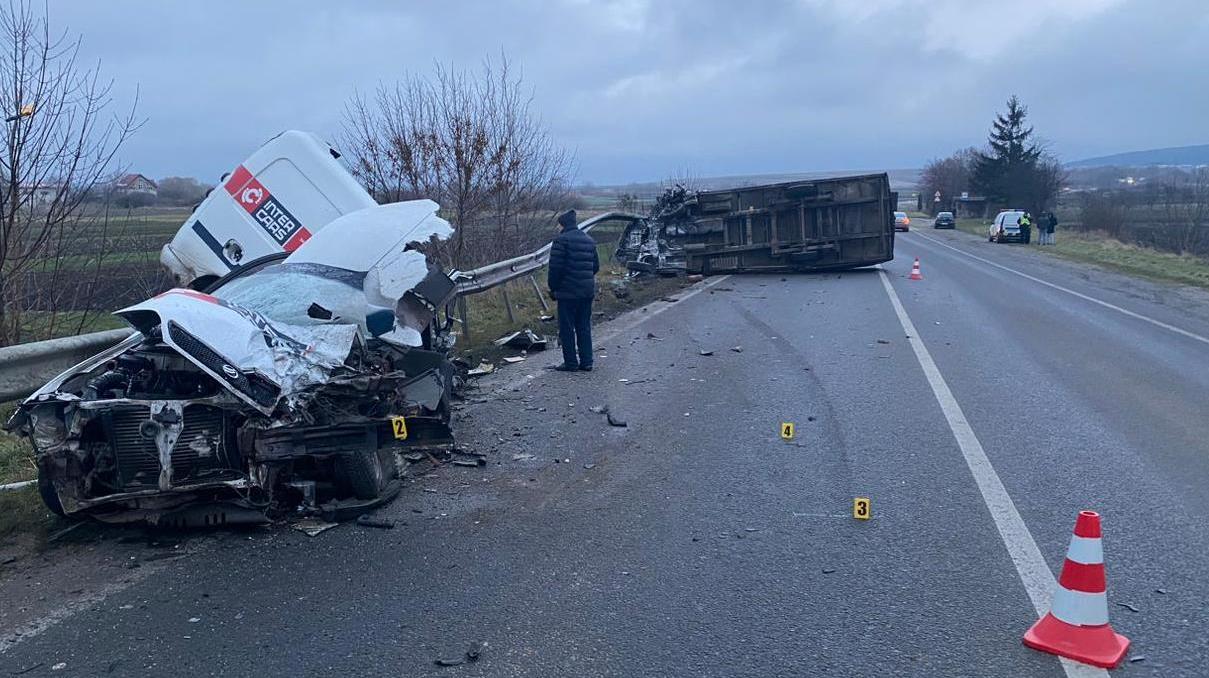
{"type": "Point", "coordinates": [815, 225]}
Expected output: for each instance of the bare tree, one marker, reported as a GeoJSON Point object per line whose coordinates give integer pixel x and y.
{"type": "Point", "coordinates": [469, 141]}
{"type": "Point", "coordinates": [59, 146]}
{"type": "Point", "coordinates": [949, 176]}
{"type": "Point", "coordinates": [1186, 214]}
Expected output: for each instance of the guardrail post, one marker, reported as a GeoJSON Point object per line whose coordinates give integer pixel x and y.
{"type": "Point", "coordinates": [541, 298]}
{"type": "Point", "coordinates": [507, 303]}
{"type": "Point", "coordinates": [465, 316]}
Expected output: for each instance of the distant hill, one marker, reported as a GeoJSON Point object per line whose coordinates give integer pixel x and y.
{"type": "Point", "coordinates": [1177, 155]}
{"type": "Point", "coordinates": [900, 179]}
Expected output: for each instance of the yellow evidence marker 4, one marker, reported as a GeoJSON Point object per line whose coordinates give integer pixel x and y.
{"type": "Point", "coordinates": [398, 426]}
{"type": "Point", "coordinates": [787, 430]}
{"type": "Point", "coordinates": [861, 509]}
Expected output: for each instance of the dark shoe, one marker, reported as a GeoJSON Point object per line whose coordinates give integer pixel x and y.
{"type": "Point", "coordinates": [585, 368]}
{"type": "Point", "coordinates": [564, 368]}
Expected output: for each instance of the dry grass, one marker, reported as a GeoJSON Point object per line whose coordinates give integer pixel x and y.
{"type": "Point", "coordinates": [1099, 249]}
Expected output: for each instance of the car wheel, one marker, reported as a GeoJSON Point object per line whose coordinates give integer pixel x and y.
{"type": "Point", "coordinates": [368, 472]}
{"type": "Point", "coordinates": [49, 496]}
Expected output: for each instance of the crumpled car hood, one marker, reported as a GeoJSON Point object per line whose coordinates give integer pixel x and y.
{"type": "Point", "coordinates": [244, 342]}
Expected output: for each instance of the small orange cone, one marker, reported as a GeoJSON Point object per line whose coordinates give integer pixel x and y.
{"type": "Point", "coordinates": [915, 275]}
{"type": "Point", "coordinates": [1076, 625]}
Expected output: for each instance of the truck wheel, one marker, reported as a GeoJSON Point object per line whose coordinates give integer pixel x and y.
{"type": "Point", "coordinates": [49, 497]}
{"type": "Point", "coordinates": [368, 472]}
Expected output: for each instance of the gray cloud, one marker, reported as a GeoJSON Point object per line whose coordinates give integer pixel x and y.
{"type": "Point", "coordinates": [645, 89]}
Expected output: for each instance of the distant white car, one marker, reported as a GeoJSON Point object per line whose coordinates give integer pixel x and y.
{"type": "Point", "coordinates": [1006, 227]}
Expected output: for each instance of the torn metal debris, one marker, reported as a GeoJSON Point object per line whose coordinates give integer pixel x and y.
{"type": "Point", "coordinates": [524, 340]}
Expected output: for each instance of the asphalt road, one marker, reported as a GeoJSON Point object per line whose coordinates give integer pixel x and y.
{"type": "Point", "coordinates": [696, 542]}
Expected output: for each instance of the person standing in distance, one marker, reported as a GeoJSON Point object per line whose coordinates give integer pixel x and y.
{"type": "Point", "coordinates": [572, 281]}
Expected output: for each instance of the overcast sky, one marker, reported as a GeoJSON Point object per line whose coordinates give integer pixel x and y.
{"type": "Point", "coordinates": [644, 89]}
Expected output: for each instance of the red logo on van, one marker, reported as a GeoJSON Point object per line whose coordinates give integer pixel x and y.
{"type": "Point", "coordinates": [266, 210]}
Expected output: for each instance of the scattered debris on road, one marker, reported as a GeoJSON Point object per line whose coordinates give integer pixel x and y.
{"type": "Point", "coordinates": [366, 520]}
{"type": "Point", "coordinates": [613, 421]}
{"type": "Point", "coordinates": [1129, 607]}
{"type": "Point", "coordinates": [737, 349]}
{"type": "Point", "coordinates": [524, 340]}
{"type": "Point", "coordinates": [705, 352]}
{"type": "Point", "coordinates": [313, 526]}
{"type": "Point", "coordinates": [483, 368]}
{"type": "Point", "coordinates": [514, 359]}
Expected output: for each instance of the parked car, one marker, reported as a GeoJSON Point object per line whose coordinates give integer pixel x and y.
{"type": "Point", "coordinates": [902, 222]}
{"type": "Point", "coordinates": [1006, 227]}
{"type": "Point", "coordinates": [944, 220]}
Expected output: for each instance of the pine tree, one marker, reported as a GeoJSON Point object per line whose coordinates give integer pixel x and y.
{"type": "Point", "coordinates": [1005, 173]}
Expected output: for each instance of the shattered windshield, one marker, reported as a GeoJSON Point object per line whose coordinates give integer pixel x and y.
{"type": "Point", "coordinates": [286, 292]}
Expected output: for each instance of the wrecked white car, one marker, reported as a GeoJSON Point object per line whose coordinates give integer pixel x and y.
{"type": "Point", "coordinates": [287, 386]}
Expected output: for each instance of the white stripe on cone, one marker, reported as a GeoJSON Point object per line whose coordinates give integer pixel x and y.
{"type": "Point", "coordinates": [1085, 550]}
{"type": "Point", "coordinates": [1079, 608]}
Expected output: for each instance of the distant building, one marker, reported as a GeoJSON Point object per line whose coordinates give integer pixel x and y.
{"type": "Point", "coordinates": [134, 183]}
{"type": "Point", "coordinates": [970, 206]}
{"type": "Point", "coordinates": [39, 195]}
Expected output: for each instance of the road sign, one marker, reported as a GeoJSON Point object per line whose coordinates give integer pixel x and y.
{"type": "Point", "coordinates": [787, 430]}
{"type": "Point", "coordinates": [861, 509]}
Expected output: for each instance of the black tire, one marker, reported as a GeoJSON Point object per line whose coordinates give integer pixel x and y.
{"type": "Point", "coordinates": [368, 472]}
{"type": "Point", "coordinates": [49, 496]}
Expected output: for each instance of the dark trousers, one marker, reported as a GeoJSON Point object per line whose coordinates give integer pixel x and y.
{"type": "Point", "coordinates": [575, 330]}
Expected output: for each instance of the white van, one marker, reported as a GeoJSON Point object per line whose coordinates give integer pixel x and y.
{"type": "Point", "coordinates": [273, 202]}
{"type": "Point", "coordinates": [1006, 227]}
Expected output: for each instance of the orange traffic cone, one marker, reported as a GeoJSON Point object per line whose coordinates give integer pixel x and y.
{"type": "Point", "coordinates": [915, 271]}
{"type": "Point", "coordinates": [1077, 625]}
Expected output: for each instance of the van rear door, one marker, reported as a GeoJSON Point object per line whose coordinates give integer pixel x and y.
{"type": "Point", "coordinates": [274, 201]}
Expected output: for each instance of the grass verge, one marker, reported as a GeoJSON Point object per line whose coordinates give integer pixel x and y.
{"type": "Point", "coordinates": [1143, 262]}
{"type": "Point", "coordinates": [1098, 249]}
{"type": "Point", "coordinates": [21, 511]}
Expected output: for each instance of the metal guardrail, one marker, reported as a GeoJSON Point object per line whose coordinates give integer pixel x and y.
{"type": "Point", "coordinates": [484, 278]}
{"type": "Point", "coordinates": [25, 367]}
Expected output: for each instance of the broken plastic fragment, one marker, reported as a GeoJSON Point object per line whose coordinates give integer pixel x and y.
{"type": "Point", "coordinates": [483, 368]}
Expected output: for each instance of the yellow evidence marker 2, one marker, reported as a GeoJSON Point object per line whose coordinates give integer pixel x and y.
{"type": "Point", "coordinates": [398, 426]}
{"type": "Point", "coordinates": [861, 509]}
{"type": "Point", "coordinates": [787, 430]}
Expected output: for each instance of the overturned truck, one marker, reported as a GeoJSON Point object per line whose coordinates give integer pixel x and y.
{"type": "Point", "coordinates": [813, 225]}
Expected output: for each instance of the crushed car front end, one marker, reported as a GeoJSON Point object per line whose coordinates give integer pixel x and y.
{"type": "Point", "coordinates": [287, 390]}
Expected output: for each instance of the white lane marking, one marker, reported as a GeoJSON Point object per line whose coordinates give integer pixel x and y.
{"type": "Point", "coordinates": [1124, 311]}
{"type": "Point", "coordinates": [1036, 576]}
{"type": "Point", "coordinates": [640, 316]}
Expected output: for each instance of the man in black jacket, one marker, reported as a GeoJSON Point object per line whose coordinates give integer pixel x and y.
{"type": "Point", "coordinates": [573, 268]}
